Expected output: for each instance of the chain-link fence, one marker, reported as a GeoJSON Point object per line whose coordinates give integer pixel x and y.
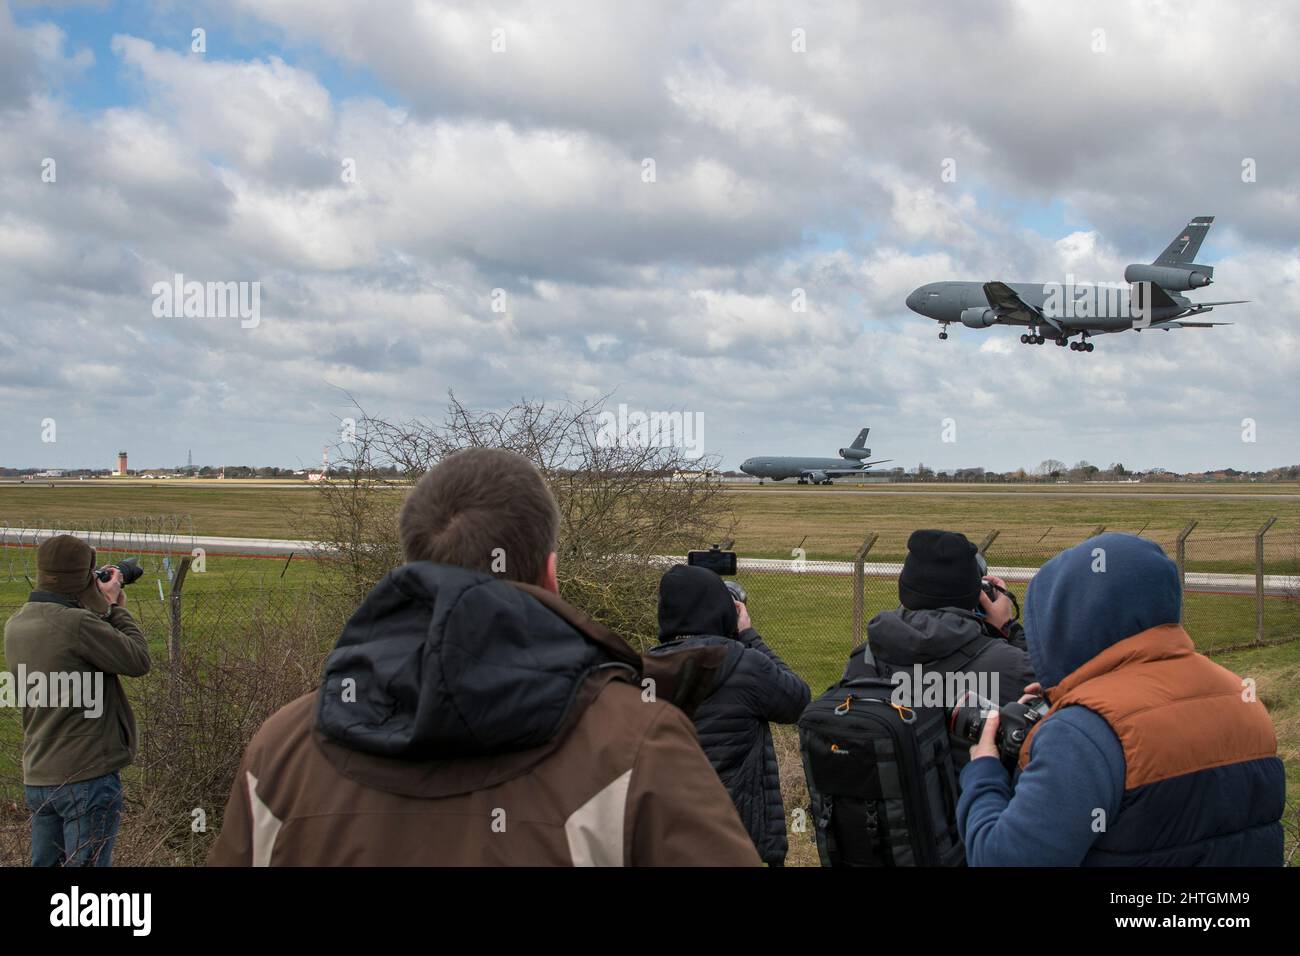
{"type": "Point", "coordinates": [1241, 587]}
{"type": "Point", "coordinates": [157, 540]}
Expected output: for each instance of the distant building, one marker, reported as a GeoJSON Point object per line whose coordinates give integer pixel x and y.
{"type": "Point", "coordinates": [121, 464]}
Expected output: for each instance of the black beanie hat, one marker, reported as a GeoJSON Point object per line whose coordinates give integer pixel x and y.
{"type": "Point", "coordinates": [694, 600]}
{"type": "Point", "coordinates": [940, 571]}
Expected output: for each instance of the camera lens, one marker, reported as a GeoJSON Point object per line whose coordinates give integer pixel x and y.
{"type": "Point", "coordinates": [966, 721]}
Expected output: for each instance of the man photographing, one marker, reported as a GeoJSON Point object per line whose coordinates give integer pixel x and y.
{"type": "Point", "coordinates": [75, 624]}
{"type": "Point", "coordinates": [754, 686]}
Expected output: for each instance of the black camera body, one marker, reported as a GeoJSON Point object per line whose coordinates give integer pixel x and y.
{"type": "Point", "coordinates": [722, 562]}
{"type": "Point", "coordinates": [1015, 720]}
{"type": "Point", "coordinates": [715, 559]}
{"type": "Point", "coordinates": [129, 567]}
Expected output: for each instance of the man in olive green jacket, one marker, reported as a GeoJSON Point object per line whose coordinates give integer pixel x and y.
{"type": "Point", "coordinates": [64, 650]}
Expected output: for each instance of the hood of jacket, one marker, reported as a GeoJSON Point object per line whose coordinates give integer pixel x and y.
{"type": "Point", "coordinates": [442, 662]}
{"type": "Point", "coordinates": [904, 637]}
{"type": "Point", "coordinates": [1094, 595]}
{"type": "Point", "coordinates": [694, 601]}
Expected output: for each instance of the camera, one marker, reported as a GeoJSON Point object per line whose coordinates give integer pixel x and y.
{"type": "Point", "coordinates": [721, 560]}
{"type": "Point", "coordinates": [1015, 720]}
{"type": "Point", "coordinates": [987, 586]}
{"type": "Point", "coordinates": [717, 559]}
{"type": "Point", "coordinates": [130, 568]}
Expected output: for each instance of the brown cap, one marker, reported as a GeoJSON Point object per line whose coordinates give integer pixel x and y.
{"type": "Point", "coordinates": [66, 565]}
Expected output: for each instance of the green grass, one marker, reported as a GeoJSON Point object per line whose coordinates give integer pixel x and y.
{"type": "Point", "coordinates": [1032, 529]}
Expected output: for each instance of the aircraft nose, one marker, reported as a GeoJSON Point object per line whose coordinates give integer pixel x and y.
{"type": "Point", "coordinates": [914, 300]}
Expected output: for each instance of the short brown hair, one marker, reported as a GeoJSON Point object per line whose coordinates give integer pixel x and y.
{"type": "Point", "coordinates": [476, 501]}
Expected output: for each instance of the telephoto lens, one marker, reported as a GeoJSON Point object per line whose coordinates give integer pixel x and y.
{"type": "Point", "coordinates": [130, 568]}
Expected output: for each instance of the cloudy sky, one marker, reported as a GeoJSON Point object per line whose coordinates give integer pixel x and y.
{"type": "Point", "coordinates": [380, 168]}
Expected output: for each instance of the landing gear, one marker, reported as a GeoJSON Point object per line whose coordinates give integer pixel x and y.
{"type": "Point", "coordinates": [1062, 340]}
{"type": "Point", "coordinates": [943, 333]}
{"type": "Point", "coordinates": [1083, 345]}
{"type": "Point", "coordinates": [1032, 339]}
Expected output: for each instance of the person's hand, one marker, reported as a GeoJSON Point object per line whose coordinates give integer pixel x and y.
{"type": "Point", "coordinates": [987, 746]}
{"type": "Point", "coordinates": [998, 612]}
{"type": "Point", "coordinates": [112, 588]}
{"type": "Point", "coordinates": [1031, 692]}
{"type": "Point", "coordinates": [742, 618]}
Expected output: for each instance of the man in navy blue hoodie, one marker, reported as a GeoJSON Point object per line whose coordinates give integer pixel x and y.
{"type": "Point", "coordinates": [1151, 754]}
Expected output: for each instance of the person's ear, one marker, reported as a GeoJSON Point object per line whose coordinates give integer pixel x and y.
{"type": "Point", "coordinates": [549, 578]}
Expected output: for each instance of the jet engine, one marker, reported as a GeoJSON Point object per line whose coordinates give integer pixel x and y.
{"type": "Point", "coordinates": [1171, 277]}
{"type": "Point", "coordinates": [817, 477]}
{"type": "Point", "coordinates": [978, 318]}
{"type": "Point", "coordinates": [858, 453]}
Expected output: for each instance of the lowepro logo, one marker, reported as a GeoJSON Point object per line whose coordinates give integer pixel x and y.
{"type": "Point", "coordinates": [102, 909]}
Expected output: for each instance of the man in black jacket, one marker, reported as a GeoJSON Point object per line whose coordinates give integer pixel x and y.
{"type": "Point", "coordinates": [948, 625]}
{"type": "Point", "coordinates": [753, 687]}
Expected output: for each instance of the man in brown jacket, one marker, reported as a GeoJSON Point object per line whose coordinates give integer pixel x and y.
{"type": "Point", "coordinates": [469, 716]}
{"type": "Point", "coordinates": [64, 650]}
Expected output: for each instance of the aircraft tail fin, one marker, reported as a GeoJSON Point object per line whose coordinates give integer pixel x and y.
{"type": "Point", "coordinates": [858, 449]}
{"type": "Point", "coordinates": [1186, 244]}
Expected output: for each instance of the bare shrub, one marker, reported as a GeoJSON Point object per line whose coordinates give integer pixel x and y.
{"type": "Point", "coordinates": [623, 504]}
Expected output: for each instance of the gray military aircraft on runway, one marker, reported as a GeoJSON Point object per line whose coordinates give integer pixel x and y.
{"type": "Point", "coordinates": [819, 471]}
{"type": "Point", "coordinates": [1060, 311]}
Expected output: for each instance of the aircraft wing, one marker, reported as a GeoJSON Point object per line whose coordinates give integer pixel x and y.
{"type": "Point", "coordinates": [835, 472]}
{"type": "Point", "coordinates": [1186, 323]}
{"type": "Point", "coordinates": [1011, 308]}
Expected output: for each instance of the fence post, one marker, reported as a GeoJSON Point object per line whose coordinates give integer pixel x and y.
{"type": "Point", "coordinates": [174, 637]}
{"type": "Point", "coordinates": [859, 582]}
{"type": "Point", "coordinates": [1259, 579]}
{"type": "Point", "coordinates": [1181, 560]}
{"type": "Point", "coordinates": [1096, 531]}
{"type": "Point", "coordinates": [988, 540]}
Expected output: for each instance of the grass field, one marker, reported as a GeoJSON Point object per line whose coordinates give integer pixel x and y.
{"type": "Point", "coordinates": [772, 520]}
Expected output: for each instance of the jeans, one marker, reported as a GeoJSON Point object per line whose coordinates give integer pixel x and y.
{"type": "Point", "coordinates": [75, 824]}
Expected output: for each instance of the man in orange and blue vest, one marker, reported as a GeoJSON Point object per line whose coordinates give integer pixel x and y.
{"type": "Point", "coordinates": [1150, 755]}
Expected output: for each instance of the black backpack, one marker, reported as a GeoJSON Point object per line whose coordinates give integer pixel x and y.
{"type": "Point", "coordinates": [882, 778]}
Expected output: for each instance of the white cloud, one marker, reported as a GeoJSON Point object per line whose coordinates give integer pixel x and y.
{"type": "Point", "coordinates": [775, 170]}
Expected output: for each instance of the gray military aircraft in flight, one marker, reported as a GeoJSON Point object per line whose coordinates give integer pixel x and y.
{"type": "Point", "coordinates": [1059, 311]}
{"type": "Point", "coordinates": [819, 471]}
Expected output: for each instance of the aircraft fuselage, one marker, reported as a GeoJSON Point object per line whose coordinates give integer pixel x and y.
{"type": "Point", "coordinates": [1078, 307]}
{"type": "Point", "coordinates": [786, 466]}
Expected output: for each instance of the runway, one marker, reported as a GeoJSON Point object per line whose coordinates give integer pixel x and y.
{"type": "Point", "coordinates": [1159, 495]}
